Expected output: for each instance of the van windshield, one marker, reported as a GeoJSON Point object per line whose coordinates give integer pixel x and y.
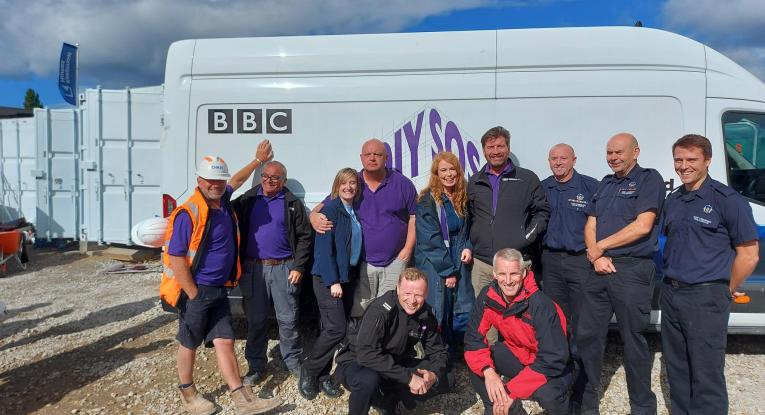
{"type": "Point", "coordinates": [744, 135]}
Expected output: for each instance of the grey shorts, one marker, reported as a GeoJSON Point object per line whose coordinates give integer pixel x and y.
{"type": "Point", "coordinates": [206, 317]}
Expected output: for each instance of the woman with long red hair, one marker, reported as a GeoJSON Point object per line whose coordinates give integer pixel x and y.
{"type": "Point", "coordinates": [443, 248]}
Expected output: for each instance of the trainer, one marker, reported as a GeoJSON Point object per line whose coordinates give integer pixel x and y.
{"type": "Point", "coordinates": [712, 247]}
{"type": "Point", "coordinates": [621, 235]}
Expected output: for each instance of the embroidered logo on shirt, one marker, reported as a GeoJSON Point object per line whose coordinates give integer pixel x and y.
{"type": "Point", "coordinates": [708, 209]}
{"type": "Point", "coordinates": [702, 220]}
{"type": "Point", "coordinates": [579, 202]}
{"type": "Point", "coordinates": [506, 179]}
{"type": "Point", "coordinates": [631, 189]}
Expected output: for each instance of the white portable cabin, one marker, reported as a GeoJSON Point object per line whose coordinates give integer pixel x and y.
{"type": "Point", "coordinates": [120, 161]}
{"type": "Point", "coordinates": [318, 98]}
{"type": "Point", "coordinates": [17, 161]}
{"type": "Point", "coordinates": [97, 171]}
{"type": "Point", "coordinates": [58, 141]}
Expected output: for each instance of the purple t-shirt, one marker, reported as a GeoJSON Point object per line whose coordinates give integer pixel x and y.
{"type": "Point", "coordinates": [218, 257]}
{"type": "Point", "coordinates": [267, 238]}
{"type": "Point", "coordinates": [494, 181]}
{"type": "Point", "coordinates": [384, 216]}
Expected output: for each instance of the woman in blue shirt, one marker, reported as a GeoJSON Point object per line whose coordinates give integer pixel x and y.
{"type": "Point", "coordinates": [337, 254]}
{"type": "Point", "coordinates": [443, 248]}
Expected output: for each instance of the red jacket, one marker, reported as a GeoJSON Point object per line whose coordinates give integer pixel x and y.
{"type": "Point", "coordinates": [533, 328]}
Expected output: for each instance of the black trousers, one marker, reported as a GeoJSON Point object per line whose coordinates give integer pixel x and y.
{"type": "Point", "coordinates": [332, 315]}
{"type": "Point", "coordinates": [563, 275]}
{"type": "Point", "coordinates": [626, 293]}
{"type": "Point", "coordinates": [553, 396]}
{"type": "Point", "coordinates": [368, 387]}
{"type": "Point", "coordinates": [694, 325]}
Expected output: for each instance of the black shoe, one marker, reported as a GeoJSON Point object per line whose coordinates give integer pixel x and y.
{"type": "Point", "coordinates": [330, 388]}
{"type": "Point", "coordinates": [382, 405]}
{"type": "Point", "coordinates": [253, 377]}
{"type": "Point", "coordinates": [308, 385]}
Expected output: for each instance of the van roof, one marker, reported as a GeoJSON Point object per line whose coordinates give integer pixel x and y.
{"type": "Point", "coordinates": [586, 48]}
{"type": "Point", "coordinates": [486, 49]}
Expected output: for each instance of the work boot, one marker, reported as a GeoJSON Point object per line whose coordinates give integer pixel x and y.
{"type": "Point", "coordinates": [308, 385]}
{"type": "Point", "coordinates": [195, 403]}
{"type": "Point", "coordinates": [246, 403]}
{"type": "Point", "coordinates": [330, 388]}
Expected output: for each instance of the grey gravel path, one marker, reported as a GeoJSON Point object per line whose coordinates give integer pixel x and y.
{"type": "Point", "coordinates": [77, 341]}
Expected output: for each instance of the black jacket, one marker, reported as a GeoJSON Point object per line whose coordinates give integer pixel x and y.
{"type": "Point", "coordinates": [299, 231]}
{"type": "Point", "coordinates": [522, 212]}
{"type": "Point", "coordinates": [387, 336]}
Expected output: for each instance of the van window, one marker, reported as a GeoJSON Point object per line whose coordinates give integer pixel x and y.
{"type": "Point", "coordinates": [744, 135]}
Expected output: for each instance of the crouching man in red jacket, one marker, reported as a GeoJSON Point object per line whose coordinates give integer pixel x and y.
{"type": "Point", "coordinates": [531, 358]}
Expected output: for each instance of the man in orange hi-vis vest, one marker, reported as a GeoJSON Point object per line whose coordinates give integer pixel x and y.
{"type": "Point", "coordinates": [200, 261]}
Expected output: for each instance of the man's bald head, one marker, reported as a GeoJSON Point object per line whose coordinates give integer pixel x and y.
{"type": "Point", "coordinates": [625, 138]}
{"type": "Point", "coordinates": [622, 152]}
{"type": "Point", "coordinates": [373, 156]}
{"type": "Point", "coordinates": [562, 159]}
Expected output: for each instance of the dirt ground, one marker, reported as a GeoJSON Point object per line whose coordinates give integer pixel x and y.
{"type": "Point", "coordinates": [81, 341]}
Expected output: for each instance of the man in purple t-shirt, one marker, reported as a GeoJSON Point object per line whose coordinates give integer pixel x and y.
{"type": "Point", "coordinates": [386, 210]}
{"type": "Point", "coordinates": [276, 248]}
{"type": "Point", "coordinates": [203, 312]}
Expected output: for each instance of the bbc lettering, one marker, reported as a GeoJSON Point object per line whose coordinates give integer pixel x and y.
{"type": "Point", "coordinates": [249, 121]}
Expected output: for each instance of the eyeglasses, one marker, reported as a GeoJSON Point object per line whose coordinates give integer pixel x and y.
{"type": "Point", "coordinates": [274, 178]}
{"type": "Point", "coordinates": [377, 155]}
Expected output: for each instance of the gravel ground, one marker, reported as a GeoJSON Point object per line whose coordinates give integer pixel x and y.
{"type": "Point", "coordinates": [78, 341]}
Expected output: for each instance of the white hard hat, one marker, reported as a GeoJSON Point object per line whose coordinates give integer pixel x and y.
{"type": "Point", "coordinates": [213, 168]}
{"type": "Point", "coordinates": [150, 232]}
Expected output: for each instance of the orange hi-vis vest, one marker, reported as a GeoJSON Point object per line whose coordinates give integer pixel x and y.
{"type": "Point", "coordinates": [197, 209]}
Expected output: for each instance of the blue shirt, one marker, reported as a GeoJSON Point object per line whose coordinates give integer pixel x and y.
{"type": "Point", "coordinates": [217, 257]}
{"type": "Point", "coordinates": [703, 228]}
{"type": "Point", "coordinates": [355, 235]}
{"type": "Point", "coordinates": [494, 182]}
{"type": "Point", "coordinates": [568, 203]}
{"type": "Point", "coordinates": [619, 201]}
{"type": "Point", "coordinates": [267, 237]}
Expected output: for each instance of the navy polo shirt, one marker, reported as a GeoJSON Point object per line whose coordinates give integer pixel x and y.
{"type": "Point", "coordinates": [568, 203]}
{"type": "Point", "coordinates": [619, 201]}
{"type": "Point", "coordinates": [703, 228]}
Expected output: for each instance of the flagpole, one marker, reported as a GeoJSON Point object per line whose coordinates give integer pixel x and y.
{"type": "Point", "coordinates": [77, 74]}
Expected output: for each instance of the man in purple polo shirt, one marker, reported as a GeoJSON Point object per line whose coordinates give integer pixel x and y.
{"type": "Point", "coordinates": [277, 244]}
{"type": "Point", "coordinates": [507, 207]}
{"type": "Point", "coordinates": [386, 210]}
{"type": "Point", "coordinates": [203, 311]}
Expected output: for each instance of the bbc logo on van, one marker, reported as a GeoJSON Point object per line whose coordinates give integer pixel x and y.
{"type": "Point", "coordinates": [249, 121]}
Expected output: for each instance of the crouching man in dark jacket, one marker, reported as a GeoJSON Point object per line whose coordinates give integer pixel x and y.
{"type": "Point", "coordinates": [531, 360]}
{"type": "Point", "coordinates": [395, 354]}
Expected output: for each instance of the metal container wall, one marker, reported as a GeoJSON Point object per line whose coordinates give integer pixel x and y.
{"type": "Point", "coordinates": [57, 173]}
{"type": "Point", "coordinates": [18, 190]}
{"type": "Point", "coordinates": [121, 161]}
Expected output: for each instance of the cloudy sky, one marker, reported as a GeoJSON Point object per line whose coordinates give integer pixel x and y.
{"type": "Point", "coordinates": [124, 43]}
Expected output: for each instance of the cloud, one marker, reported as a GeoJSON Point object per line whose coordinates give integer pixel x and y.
{"type": "Point", "coordinates": [734, 27]}
{"type": "Point", "coordinates": [125, 42]}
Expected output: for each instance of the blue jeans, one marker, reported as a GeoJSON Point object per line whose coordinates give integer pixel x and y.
{"type": "Point", "coordinates": [261, 285]}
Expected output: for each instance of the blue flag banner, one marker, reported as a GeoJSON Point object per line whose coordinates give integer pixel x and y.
{"type": "Point", "coordinates": [67, 73]}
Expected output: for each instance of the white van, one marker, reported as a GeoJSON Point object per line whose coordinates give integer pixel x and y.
{"type": "Point", "coordinates": [317, 98]}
